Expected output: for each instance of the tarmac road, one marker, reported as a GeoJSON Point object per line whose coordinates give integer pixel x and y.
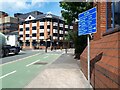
{"type": "Point", "coordinates": [21, 55]}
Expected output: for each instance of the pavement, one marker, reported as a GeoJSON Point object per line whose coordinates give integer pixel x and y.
{"type": "Point", "coordinates": [62, 73]}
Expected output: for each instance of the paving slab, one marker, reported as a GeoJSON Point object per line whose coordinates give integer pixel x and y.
{"type": "Point", "coordinates": [62, 73]}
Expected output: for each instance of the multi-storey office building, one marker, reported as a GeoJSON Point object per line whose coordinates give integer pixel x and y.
{"type": "Point", "coordinates": [8, 24]}
{"type": "Point", "coordinates": [36, 30]}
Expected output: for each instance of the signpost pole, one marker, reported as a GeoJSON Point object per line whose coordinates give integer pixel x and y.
{"type": "Point", "coordinates": [88, 41]}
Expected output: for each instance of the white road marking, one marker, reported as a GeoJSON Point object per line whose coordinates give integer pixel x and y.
{"type": "Point", "coordinates": [32, 63]}
{"type": "Point", "coordinates": [7, 74]}
{"type": "Point", "coordinates": [46, 57]}
{"type": "Point", "coordinates": [20, 59]}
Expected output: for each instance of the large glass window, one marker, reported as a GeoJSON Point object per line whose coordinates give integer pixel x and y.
{"type": "Point", "coordinates": [27, 43]}
{"type": "Point", "coordinates": [48, 26]}
{"type": "Point", "coordinates": [21, 23]}
{"type": "Point", "coordinates": [27, 22]}
{"type": "Point", "coordinates": [27, 35]}
{"type": "Point", "coordinates": [34, 28]}
{"type": "Point", "coordinates": [55, 34]}
{"type": "Point", "coordinates": [113, 14]}
{"type": "Point", "coordinates": [41, 27]}
{"type": "Point", "coordinates": [34, 43]}
{"type": "Point", "coordinates": [42, 20]}
{"type": "Point", "coordinates": [41, 34]}
{"type": "Point", "coordinates": [42, 43]}
{"type": "Point", "coordinates": [55, 27]}
{"type": "Point", "coordinates": [34, 35]}
{"type": "Point", "coordinates": [21, 35]}
{"type": "Point", "coordinates": [21, 29]}
{"type": "Point", "coordinates": [60, 35]}
{"type": "Point", "coordinates": [27, 28]}
{"type": "Point", "coordinates": [33, 21]}
{"type": "Point", "coordinates": [117, 13]}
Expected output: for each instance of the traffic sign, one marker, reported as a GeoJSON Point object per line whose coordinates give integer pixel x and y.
{"type": "Point", "coordinates": [87, 22]}
{"type": "Point", "coordinates": [87, 25]}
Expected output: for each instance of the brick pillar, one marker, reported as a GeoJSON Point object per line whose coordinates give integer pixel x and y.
{"type": "Point", "coordinates": [101, 18]}
{"type": "Point", "coordinates": [38, 34]}
{"type": "Point", "coordinates": [31, 35]}
{"type": "Point", "coordinates": [51, 31]}
{"type": "Point", "coordinates": [24, 36]}
{"type": "Point", "coordinates": [45, 29]}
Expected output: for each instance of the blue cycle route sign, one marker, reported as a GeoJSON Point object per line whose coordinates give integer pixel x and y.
{"type": "Point", "coordinates": [87, 22]}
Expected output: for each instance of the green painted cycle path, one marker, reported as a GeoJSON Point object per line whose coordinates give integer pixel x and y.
{"type": "Point", "coordinates": [18, 74]}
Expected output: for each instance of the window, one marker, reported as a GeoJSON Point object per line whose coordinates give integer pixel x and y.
{"type": "Point", "coordinates": [55, 27]}
{"type": "Point", "coordinates": [21, 23]}
{"type": "Point", "coordinates": [21, 29]}
{"type": "Point", "coordinates": [48, 19]}
{"type": "Point", "coordinates": [34, 43]}
{"type": "Point", "coordinates": [41, 27]}
{"type": "Point", "coordinates": [117, 13]}
{"type": "Point", "coordinates": [42, 43]}
{"type": "Point", "coordinates": [34, 35]}
{"type": "Point", "coordinates": [41, 34]}
{"type": "Point", "coordinates": [29, 17]}
{"type": "Point", "coordinates": [48, 27]}
{"type": "Point", "coordinates": [27, 22]}
{"type": "Point", "coordinates": [27, 35]}
{"type": "Point", "coordinates": [55, 34]}
{"type": "Point", "coordinates": [113, 13]}
{"type": "Point", "coordinates": [33, 21]}
{"type": "Point", "coordinates": [21, 35]}
{"type": "Point", "coordinates": [60, 35]}
{"type": "Point", "coordinates": [55, 20]}
{"type": "Point", "coordinates": [42, 20]}
{"type": "Point", "coordinates": [60, 28]}
{"type": "Point", "coordinates": [34, 28]}
{"type": "Point", "coordinates": [27, 29]}
{"type": "Point", "coordinates": [27, 43]}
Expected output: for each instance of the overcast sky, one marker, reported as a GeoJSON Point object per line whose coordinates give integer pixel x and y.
{"type": "Point", "coordinates": [24, 6]}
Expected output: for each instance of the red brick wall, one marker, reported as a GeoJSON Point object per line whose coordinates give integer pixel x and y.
{"type": "Point", "coordinates": [105, 62]}
{"type": "Point", "coordinates": [101, 18]}
{"type": "Point", "coordinates": [105, 53]}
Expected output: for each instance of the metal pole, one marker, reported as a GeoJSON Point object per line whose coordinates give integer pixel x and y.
{"type": "Point", "coordinates": [88, 40]}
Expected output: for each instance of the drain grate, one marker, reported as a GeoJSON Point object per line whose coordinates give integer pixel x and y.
{"type": "Point", "coordinates": [40, 63]}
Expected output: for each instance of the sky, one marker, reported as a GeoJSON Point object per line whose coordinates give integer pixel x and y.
{"type": "Point", "coordinates": [25, 6]}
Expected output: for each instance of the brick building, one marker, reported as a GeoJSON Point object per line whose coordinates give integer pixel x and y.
{"type": "Point", "coordinates": [104, 48]}
{"type": "Point", "coordinates": [8, 24]}
{"type": "Point", "coordinates": [38, 30]}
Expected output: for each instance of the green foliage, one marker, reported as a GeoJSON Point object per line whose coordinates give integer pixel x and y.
{"type": "Point", "coordinates": [70, 12]}
{"type": "Point", "coordinates": [72, 9]}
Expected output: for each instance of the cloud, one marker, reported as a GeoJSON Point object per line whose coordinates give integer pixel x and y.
{"type": "Point", "coordinates": [23, 6]}
{"type": "Point", "coordinates": [18, 5]}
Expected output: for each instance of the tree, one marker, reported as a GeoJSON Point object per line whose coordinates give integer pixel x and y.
{"type": "Point", "coordinates": [70, 12]}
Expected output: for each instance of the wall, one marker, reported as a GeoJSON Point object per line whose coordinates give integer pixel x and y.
{"type": "Point", "coordinates": [105, 61]}
{"type": "Point", "coordinates": [104, 52]}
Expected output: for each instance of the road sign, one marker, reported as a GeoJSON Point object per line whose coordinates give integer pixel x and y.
{"type": "Point", "coordinates": [87, 25]}
{"type": "Point", "coordinates": [87, 22]}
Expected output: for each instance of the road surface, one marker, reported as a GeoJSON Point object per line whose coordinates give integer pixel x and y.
{"type": "Point", "coordinates": [17, 71]}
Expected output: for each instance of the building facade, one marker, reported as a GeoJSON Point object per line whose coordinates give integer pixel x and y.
{"type": "Point", "coordinates": [38, 30]}
{"type": "Point", "coordinates": [8, 24]}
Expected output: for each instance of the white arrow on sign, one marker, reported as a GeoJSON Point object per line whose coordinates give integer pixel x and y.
{"type": "Point", "coordinates": [94, 28]}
